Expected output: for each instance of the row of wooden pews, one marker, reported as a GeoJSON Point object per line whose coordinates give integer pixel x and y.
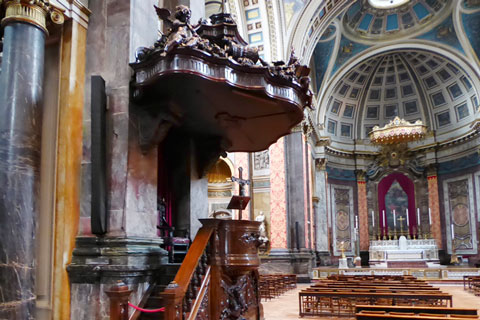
{"type": "Point", "coordinates": [339, 294]}
{"type": "Point", "coordinates": [274, 285]}
{"type": "Point", "coordinates": [472, 284]}
{"type": "Point", "coordinates": [369, 312]}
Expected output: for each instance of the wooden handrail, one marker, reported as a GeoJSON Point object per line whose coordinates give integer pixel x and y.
{"type": "Point", "coordinates": [187, 269]}
{"type": "Point", "coordinates": [218, 278]}
{"type": "Point", "coordinates": [201, 294]}
{"type": "Point", "coordinates": [175, 295]}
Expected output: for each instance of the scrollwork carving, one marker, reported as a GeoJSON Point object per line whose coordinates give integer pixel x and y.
{"type": "Point", "coordinates": [222, 41]}
{"type": "Point", "coordinates": [240, 296]}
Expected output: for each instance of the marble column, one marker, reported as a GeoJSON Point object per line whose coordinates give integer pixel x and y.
{"type": "Point", "coordinates": [434, 205]}
{"type": "Point", "coordinates": [362, 211]}
{"type": "Point", "coordinates": [21, 82]}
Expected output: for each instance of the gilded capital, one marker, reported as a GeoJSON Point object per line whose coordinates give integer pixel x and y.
{"type": "Point", "coordinates": [360, 175]}
{"type": "Point", "coordinates": [35, 12]}
{"type": "Point", "coordinates": [321, 164]}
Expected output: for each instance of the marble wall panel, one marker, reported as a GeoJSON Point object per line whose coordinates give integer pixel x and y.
{"type": "Point", "coordinates": [141, 192]}
{"type": "Point", "coordinates": [477, 195]}
{"type": "Point", "coordinates": [117, 157]}
{"type": "Point", "coordinates": [459, 211]}
{"type": "Point", "coordinates": [342, 217]}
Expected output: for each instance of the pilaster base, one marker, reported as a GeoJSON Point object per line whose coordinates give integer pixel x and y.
{"type": "Point", "coordinates": [289, 262]}
{"type": "Point", "coordinates": [97, 263]}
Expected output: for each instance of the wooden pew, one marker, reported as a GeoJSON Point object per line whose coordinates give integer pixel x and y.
{"type": "Point", "coordinates": [469, 280]}
{"type": "Point", "coordinates": [313, 303]}
{"type": "Point", "coordinates": [416, 310]}
{"type": "Point", "coordinates": [374, 316]}
{"type": "Point", "coordinates": [274, 285]}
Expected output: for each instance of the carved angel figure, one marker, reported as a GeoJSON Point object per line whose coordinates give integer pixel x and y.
{"type": "Point", "coordinates": [181, 31]}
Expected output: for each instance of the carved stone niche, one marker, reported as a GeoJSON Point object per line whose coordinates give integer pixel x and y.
{"type": "Point", "coordinates": [205, 80]}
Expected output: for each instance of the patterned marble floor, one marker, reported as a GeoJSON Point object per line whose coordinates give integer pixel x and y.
{"type": "Point", "coordinates": [286, 306]}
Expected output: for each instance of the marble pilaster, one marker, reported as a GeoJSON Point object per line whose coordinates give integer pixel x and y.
{"type": "Point", "coordinates": [434, 205]}
{"type": "Point", "coordinates": [362, 211]}
{"type": "Point", "coordinates": [21, 82]}
{"type": "Point", "coordinates": [321, 207]}
{"type": "Point", "coordinates": [296, 210]}
{"type": "Point", "coordinates": [278, 209]}
{"type": "Point", "coordinates": [130, 251]}
{"type": "Point", "coordinates": [69, 146]}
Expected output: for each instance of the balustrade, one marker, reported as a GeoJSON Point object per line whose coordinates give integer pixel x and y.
{"type": "Point", "coordinates": [218, 278]}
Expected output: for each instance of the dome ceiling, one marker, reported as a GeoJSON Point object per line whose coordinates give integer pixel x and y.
{"type": "Point", "coordinates": [401, 19]}
{"type": "Point", "coordinates": [412, 85]}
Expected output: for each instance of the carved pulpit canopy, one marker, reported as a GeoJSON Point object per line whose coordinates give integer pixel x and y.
{"type": "Point", "coordinates": [398, 131]}
{"type": "Point", "coordinates": [205, 80]}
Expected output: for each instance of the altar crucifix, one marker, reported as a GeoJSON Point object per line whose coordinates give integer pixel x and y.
{"type": "Point", "coordinates": [239, 202]}
{"type": "Point", "coordinates": [401, 219]}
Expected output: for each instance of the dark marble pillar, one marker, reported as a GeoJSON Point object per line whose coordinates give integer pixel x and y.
{"type": "Point", "coordinates": [21, 83]}
{"type": "Point", "coordinates": [295, 189]}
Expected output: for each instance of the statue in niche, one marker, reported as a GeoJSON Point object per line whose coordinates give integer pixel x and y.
{"type": "Point", "coordinates": [263, 230]}
{"type": "Point", "coordinates": [263, 239]}
{"type": "Point", "coordinates": [261, 160]}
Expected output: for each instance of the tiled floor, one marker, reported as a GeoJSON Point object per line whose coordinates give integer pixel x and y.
{"type": "Point", "coordinates": [286, 306]}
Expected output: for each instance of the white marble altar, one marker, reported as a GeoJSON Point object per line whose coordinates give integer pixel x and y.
{"type": "Point", "coordinates": [403, 250]}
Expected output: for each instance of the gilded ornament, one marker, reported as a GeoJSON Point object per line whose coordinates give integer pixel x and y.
{"type": "Point", "coordinates": [398, 131]}
{"type": "Point", "coordinates": [32, 11]}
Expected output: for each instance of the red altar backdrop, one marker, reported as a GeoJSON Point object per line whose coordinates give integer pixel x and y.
{"type": "Point", "coordinates": [407, 185]}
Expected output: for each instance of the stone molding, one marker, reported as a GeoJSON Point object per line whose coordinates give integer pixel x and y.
{"type": "Point", "coordinates": [103, 260]}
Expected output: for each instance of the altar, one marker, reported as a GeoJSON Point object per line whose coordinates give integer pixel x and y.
{"type": "Point", "coordinates": [403, 250]}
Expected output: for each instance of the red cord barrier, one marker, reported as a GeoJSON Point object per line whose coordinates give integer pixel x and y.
{"type": "Point", "coordinates": [146, 310]}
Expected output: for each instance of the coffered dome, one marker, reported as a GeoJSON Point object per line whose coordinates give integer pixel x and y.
{"type": "Point", "coordinates": [414, 85]}
{"type": "Point", "coordinates": [389, 19]}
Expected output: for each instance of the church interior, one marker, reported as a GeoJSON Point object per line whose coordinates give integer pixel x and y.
{"type": "Point", "coordinates": [239, 159]}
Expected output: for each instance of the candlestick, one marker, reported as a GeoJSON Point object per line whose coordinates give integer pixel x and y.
{"type": "Point", "coordinates": [408, 219]}
{"type": "Point", "coordinates": [356, 221]}
{"type": "Point", "coordinates": [418, 218]}
{"type": "Point", "coordinates": [394, 221]}
{"type": "Point", "coordinates": [373, 219]}
{"type": "Point", "coordinates": [429, 216]}
{"type": "Point", "coordinates": [383, 214]}
{"type": "Point", "coordinates": [453, 233]}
